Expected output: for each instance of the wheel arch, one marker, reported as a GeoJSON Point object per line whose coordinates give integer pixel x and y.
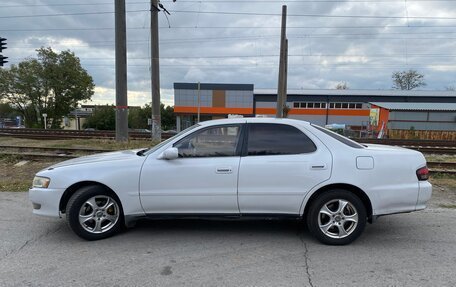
{"type": "Point", "coordinates": [345, 186]}
{"type": "Point", "coordinates": [76, 186]}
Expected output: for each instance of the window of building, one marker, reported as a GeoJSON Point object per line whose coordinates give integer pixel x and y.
{"type": "Point", "coordinates": [359, 106]}
{"type": "Point", "coordinates": [317, 105]}
{"type": "Point", "coordinates": [310, 105]}
{"type": "Point", "coordinates": [344, 105]}
{"type": "Point", "coordinates": [211, 142]}
{"type": "Point", "coordinates": [277, 139]}
{"type": "Point", "coordinates": [338, 105]}
{"type": "Point", "coordinates": [351, 105]}
{"type": "Point", "coordinates": [296, 105]}
{"type": "Point", "coordinates": [323, 105]}
{"type": "Point", "coordinates": [331, 105]}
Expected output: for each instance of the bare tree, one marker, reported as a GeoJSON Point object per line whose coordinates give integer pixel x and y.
{"type": "Point", "coordinates": [342, 86]}
{"type": "Point", "coordinates": [407, 80]}
{"type": "Point", "coordinates": [450, 88]}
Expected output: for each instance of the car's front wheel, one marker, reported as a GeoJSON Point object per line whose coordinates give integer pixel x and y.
{"type": "Point", "coordinates": [94, 213]}
{"type": "Point", "coordinates": [336, 217]}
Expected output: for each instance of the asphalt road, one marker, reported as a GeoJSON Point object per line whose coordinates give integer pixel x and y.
{"type": "Point", "coordinates": [417, 249]}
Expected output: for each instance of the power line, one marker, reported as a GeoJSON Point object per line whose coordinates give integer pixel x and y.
{"type": "Point", "coordinates": [291, 66]}
{"type": "Point", "coordinates": [220, 1]}
{"type": "Point", "coordinates": [365, 36]}
{"type": "Point", "coordinates": [313, 15]}
{"type": "Point", "coordinates": [69, 14]}
{"type": "Point", "coordinates": [228, 27]}
{"type": "Point", "coordinates": [275, 55]}
{"type": "Point", "coordinates": [238, 13]}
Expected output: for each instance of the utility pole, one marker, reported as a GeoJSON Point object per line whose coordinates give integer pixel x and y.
{"type": "Point", "coordinates": [285, 82]}
{"type": "Point", "coordinates": [155, 76]}
{"type": "Point", "coordinates": [282, 72]}
{"type": "Point", "coordinates": [121, 72]}
{"type": "Point", "coordinates": [199, 102]}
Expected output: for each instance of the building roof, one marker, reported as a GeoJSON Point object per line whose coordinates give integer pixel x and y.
{"type": "Point", "coordinates": [350, 92]}
{"type": "Point", "coordinates": [213, 86]}
{"type": "Point", "coordinates": [417, 106]}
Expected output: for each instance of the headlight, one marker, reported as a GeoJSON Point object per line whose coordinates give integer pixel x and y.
{"type": "Point", "coordinates": [41, 182]}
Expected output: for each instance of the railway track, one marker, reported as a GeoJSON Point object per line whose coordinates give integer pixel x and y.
{"type": "Point", "coordinates": [72, 134]}
{"type": "Point", "coordinates": [40, 153]}
{"type": "Point", "coordinates": [425, 146]}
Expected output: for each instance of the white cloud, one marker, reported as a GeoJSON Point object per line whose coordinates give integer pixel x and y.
{"type": "Point", "coordinates": [364, 57]}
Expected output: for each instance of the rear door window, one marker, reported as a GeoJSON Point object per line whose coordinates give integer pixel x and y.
{"type": "Point", "coordinates": [277, 139]}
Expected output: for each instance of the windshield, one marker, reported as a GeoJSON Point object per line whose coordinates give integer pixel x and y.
{"type": "Point", "coordinates": [163, 143]}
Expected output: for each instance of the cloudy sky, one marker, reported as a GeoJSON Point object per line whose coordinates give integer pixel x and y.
{"type": "Point", "coordinates": [358, 42]}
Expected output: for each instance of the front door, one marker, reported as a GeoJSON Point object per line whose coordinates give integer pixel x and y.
{"type": "Point", "coordinates": [202, 180]}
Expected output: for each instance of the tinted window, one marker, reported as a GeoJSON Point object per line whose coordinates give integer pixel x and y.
{"type": "Point", "coordinates": [277, 139]}
{"type": "Point", "coordinates": [340, 138]}
{"type": "Point", "coordinates": [210, 142]}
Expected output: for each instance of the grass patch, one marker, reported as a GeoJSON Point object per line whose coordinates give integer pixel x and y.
{"type": "Point", "coordinates": [19, 178]}
{"type": "Point", "coordinates": [440, 157]}
{"type": "Point", "coordinates": [15, 185]}
{"type": "Point", "coordinates": [446, 180]}
{"type": "Point", "coordinates": [78, 143]}
{"type": "Point", "coordinates": [9, 159]}
{"type": "Point", "coordinates": [451, 206]}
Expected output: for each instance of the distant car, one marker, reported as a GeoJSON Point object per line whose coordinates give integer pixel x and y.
{"type": "Point", "coordinates": [89, 130]}
{"type": "Point", "coordinates": [171, 132]}
{"type": "Point", "coordinates": [245, 168]}
{"type": "Point", "coordinates": [141, 130]}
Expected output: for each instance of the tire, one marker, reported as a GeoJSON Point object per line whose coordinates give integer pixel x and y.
{"type": "Point", "coordinates": [332, 225]}
{"type": "Point", "coordinates": [94, 213]}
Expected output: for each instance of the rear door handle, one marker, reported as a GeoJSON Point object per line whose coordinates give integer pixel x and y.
{"type": "Point", "coordinates": [226, 169]}
{"type": "Point", "coordinates": [318, 166]}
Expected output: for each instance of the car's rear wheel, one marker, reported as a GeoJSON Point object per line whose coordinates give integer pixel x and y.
{"type": "Point", "coordinates": [336, 217]}
{"type": "Point", "coordinates": [94, 213]}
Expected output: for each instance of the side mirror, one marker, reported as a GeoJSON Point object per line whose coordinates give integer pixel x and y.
{"type": "Point", "coordinates": [170, 153]}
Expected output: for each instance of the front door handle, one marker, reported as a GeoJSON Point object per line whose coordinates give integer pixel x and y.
{"type": "Point", "coordinates": [225, 169]}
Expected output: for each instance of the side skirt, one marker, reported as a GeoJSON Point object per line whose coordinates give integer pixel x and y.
{"type": "Point", "coordinates": [130, 220]}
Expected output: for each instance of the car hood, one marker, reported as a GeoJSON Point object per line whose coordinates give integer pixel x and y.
{"type": "Point", "coordinates": [101, 157]}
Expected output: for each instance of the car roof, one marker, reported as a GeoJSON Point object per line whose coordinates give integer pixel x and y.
{"type": "Point", "coordinates": [253, 120]}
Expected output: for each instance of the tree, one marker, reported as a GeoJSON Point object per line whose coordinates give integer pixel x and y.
{"type": "Point", "coordinates": [342, 86]}
{"type": "Point", "coordinates": [450, 88]}
{"type": "Point", "coordinates": [407, 80]}
{"type": "Point", "coordinates": [102, 118]}
{"type": "Point", "coordinates": [7, 111]}
{"type": "Point", "coordinates": [167, 117]}
{"type": "Point", "coordinates": [54, 84]}
{"type": "Point", "coordinates": [137, 118]}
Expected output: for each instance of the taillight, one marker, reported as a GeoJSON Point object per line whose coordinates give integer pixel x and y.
{"type": "Point", "coordinates": [422, 173]}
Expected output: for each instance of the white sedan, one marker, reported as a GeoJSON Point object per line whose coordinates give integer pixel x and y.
{"type": "Point", "coordinates": [245, 168]}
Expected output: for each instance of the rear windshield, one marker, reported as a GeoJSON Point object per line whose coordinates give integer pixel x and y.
{"type": "Point", "coordinates": [342, 139]}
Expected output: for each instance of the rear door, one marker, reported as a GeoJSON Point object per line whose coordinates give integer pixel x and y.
{"type": "Point", "coordinates": [280, 164]}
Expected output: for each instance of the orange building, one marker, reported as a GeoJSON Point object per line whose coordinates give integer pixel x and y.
{"type": "Point", "coordinates": [350, 107]}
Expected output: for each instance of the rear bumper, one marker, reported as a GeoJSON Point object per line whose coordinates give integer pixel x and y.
{"type": "Point", "coordinates": [424, 194]}
{"type": "Point", "coordinates": [46, 201]}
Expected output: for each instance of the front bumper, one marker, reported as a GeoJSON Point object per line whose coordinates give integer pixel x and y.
{"type": "Point", "coordinates": [46, 201]}
{"type": "Point", "coordinates": [424, 194]}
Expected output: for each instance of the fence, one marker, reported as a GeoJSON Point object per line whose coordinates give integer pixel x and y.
{"type": "Point", "coordinates": [422, 135]}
